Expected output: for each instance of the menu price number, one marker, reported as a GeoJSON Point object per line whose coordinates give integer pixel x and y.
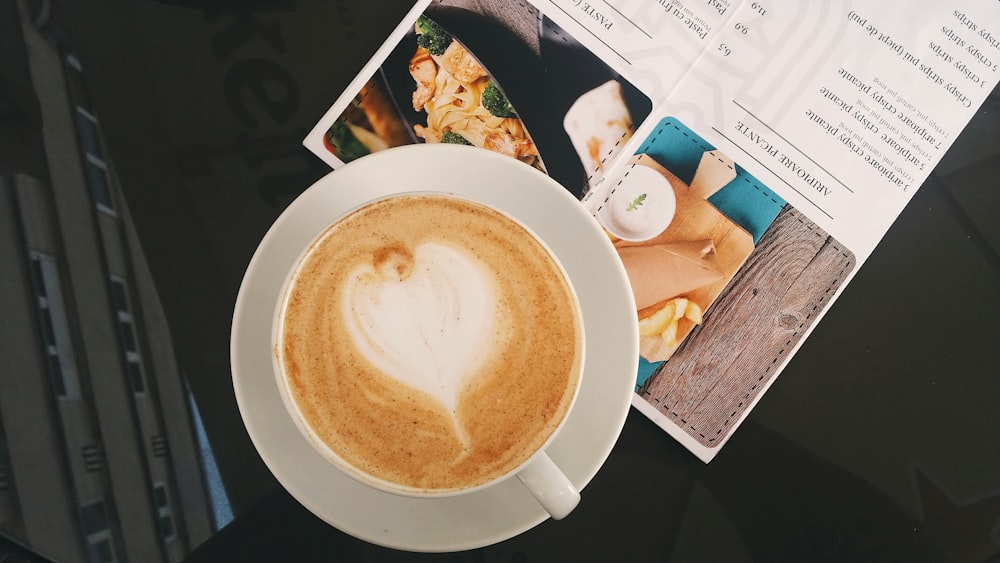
{"type": "Point", "coordinates": [724, 48]}
{"type": "Point", "coordinates": [741, 28]}
{"type": "Point", "coordinates": [721, 6]}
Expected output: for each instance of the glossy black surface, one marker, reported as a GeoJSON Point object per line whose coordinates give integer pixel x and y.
{"type": "Point", "coordinates": [880, 441]}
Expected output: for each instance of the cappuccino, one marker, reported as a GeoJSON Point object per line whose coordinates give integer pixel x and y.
{"type": "Point", "coordinates": [430, 342]}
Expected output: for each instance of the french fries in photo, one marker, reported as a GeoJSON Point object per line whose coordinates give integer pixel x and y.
{"type": "Point", "coordinates": [693, 313]}
{"type": "Point", "coordinates": [669, 334]}
{"type": "Point", "coordinates": [665, 322]}
{"type": "Point", "coordinates": [662, 318]}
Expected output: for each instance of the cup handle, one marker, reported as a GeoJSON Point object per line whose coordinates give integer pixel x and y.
{"type": "Point", "coordinates": [550, 486]}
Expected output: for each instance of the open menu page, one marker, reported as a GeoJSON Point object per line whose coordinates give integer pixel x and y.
{"type": "Point", "coordinates": [745, 157]}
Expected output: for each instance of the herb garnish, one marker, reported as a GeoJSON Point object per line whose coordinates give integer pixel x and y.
{"type": "Point", "coordinates": [636, 203]}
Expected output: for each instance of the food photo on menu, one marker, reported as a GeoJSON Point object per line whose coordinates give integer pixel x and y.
{"type": "Point", "coordinates": [508, 83]}
{"type": "Point", "coordinates": [713, 256]}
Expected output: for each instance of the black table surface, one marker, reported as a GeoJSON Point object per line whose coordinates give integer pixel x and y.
{"type": "Point", "coordinates": [879, 442]}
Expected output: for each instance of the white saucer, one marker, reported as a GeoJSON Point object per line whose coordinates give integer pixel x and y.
{"type": "Point", "coordinates": [503, 510]}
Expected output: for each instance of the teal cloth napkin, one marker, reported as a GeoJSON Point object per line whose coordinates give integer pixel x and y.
{"type": "Point", "coordinates": [745, 200]}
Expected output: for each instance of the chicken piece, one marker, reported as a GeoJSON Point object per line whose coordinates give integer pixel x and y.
{"type": "Point", "coordinates": [503, 143]}
{"type": "Point", "coordinates": [427, 134]}
{"type": "Point", "coordinates": [460, 64]}
{"type": "Point", "coordinates": [423, 69]}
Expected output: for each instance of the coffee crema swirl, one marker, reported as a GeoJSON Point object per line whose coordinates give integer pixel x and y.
{"type": "Point", "coordinates": [430, 342]}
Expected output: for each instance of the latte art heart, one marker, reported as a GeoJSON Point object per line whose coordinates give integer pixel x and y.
{"type": "Point", "coordinates": [423, 319]}
{"type": "Point", "coordinates": [430, 342]}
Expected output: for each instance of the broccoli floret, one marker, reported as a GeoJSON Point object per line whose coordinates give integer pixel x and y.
{"type": "Point", "coordinates": [454, 138]}
{"type": "Point", "coordinates": [431, 36]}
{"type": "Point", "coordinates": [495, 102]}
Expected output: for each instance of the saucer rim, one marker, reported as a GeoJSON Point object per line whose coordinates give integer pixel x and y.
{"type": "Point", "coordinates": [611, 335]}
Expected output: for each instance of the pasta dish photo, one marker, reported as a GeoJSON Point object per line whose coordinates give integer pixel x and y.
{"type": "Point", "coordinates": [513, 83]}
{"type": "Point", "coordinates": [463, 104]}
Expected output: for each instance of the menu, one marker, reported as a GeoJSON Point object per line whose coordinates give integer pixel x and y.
{"type": "Point", "coordinates": [744, 157]}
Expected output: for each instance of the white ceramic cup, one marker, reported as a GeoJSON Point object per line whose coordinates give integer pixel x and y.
{"type": "Point", "coordinates": [538, 473]}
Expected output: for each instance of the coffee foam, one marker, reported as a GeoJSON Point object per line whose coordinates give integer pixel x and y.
{"type": "Point", "coordinates": [509, 382]}
{"type": "Point", "coordinates": [423, 318]}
